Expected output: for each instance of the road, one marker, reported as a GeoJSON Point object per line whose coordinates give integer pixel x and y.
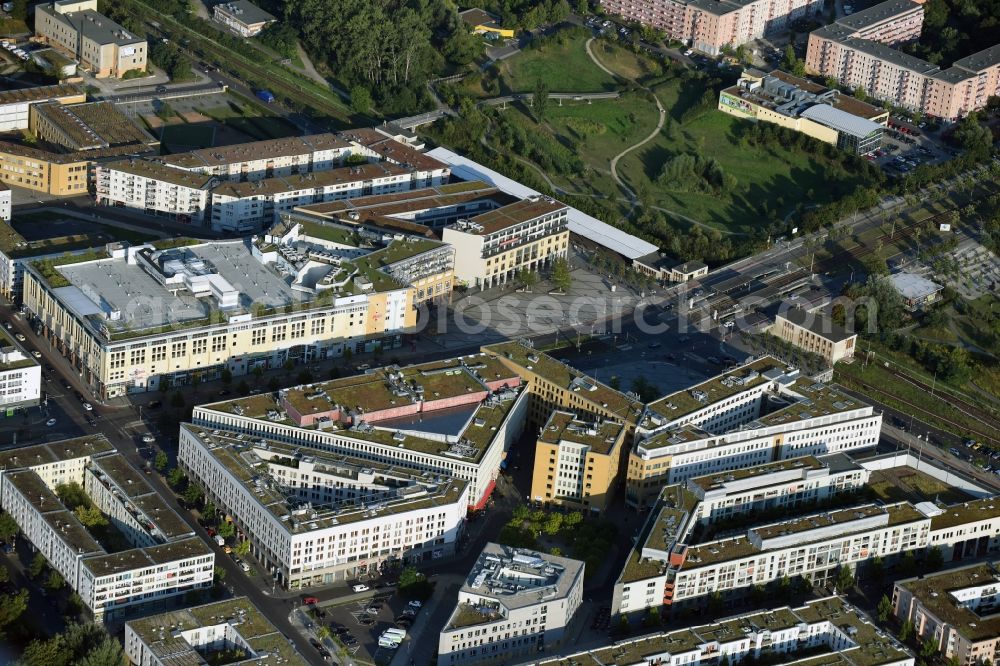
{"type": "Point", "coordinates": [123, 428]}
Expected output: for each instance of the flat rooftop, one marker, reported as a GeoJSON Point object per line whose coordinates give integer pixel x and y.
{"type": "Point", "coordinates": [714, 481]}
{"type": "Point", "coordinates": [817, 323]}
{"type": "Point", "coordinates": [140, 499]}
{"type": "Point", "coordinates": [868, 645]}
{"type": "Point", "coordinates": [256, 150]}
{"type": "Point", "coordinates": [245, 12]}
{"type": "Point", "coordinates": [719, 388]}
{"type": "Point", "coordinates": [513, 214]}
{"type": "Point", "coordinates": [392, 489]}
{"type": "Point", "coordinates": [513, 578]}
{"type": "Point", "coordinates": [43, 454]}
{"type": "Point", "coordinates": [816, 400]}
{"type": "Point", "coordinates": [935, 592]}
{"type": "Point", "coordinates": [967, 512]}
{"type": "Point", "coordinates": [94, 124]}
{"type": "Point", "coordinates": [128, 301]}
{"type": "Point", "coordinates": [884, 11]}
{"type": "Point", "coordinates": [39, 93]}
{"type": "Point", "coordinates": [307, 181]}
{"type": "Point", "coordinates": [163, 633]}
{"type": "Point", "coordinates": [623, 406]}
{"type": "Point", "coordinates": [157, 171]}
{"type": "Point", "coordinates": [600, 437]}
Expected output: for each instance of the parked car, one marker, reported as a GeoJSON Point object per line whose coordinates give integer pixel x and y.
{"type": "Point", "coordinates": [360, 587]}
{"type": "Point", "coordinates": [50, 423]}
{"type": "Point", "coordinates": [20, 337]}
{"type": "Point", "coordinates": [310, 601]}
{"type": "Point", "coordinates": [87, 406]}
{"type": "Point", "coordinates": [148, 438]}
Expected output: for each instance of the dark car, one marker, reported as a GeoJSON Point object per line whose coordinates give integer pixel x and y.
{"type": "Point", "coordinates": [156, 404]}
{"type": "Point", "coordinates": [161, 89]}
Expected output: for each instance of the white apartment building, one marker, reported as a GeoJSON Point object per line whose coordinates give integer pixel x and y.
{"type": "Point", "coordinates": [755, 414]}
{"type": "Point", "coordinates": [247, 207]}
{"type": "Point", "coordinates": [774, 486]}
{"type": "Point", "coordinates": [189, 635]}
{"type": "Point", "coordinates": [825, 631]}
{"type": "Point", "coordinates": [514, 603]}
{"type": "Point", "coordinates": [270, 158]}
{"type": "Point", "coordinates": [456, 418]}
{"type": "Point", "coordinates": [5, 203]}
{"type": "Point", "coordinates": [20, 376]}
{"type": "Point", "coordinates": [492, 247]}
{"type": "Point", "coordinates": [956, 610]}
{"type": "Point", "coordinates": [154, 189]}
{"type": "Point", "coordinates": [164, 313]}
{"type": "Point", "coordinates": [313, 517]}
{"type": "Point", "coordinates": [166, 559]}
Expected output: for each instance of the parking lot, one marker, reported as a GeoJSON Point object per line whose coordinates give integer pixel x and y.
{"type": "Point", "coordinates": [357, 624]}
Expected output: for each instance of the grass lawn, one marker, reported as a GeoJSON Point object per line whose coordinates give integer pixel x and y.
{"type": "Point", "coordinates": [774, 176]}
{"type": "Point", "coordinates": [563, 66]}
{"type": "Point", "coordinates": [252, 119]}
{"type": "Point", "coordinates": [624, 62]}
{"type": "Point", "coordinates": [195, 136]}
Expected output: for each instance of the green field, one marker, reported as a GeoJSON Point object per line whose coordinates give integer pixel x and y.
{"type": "Point", "coordinates": [562, 65]}
{"type": "Point", "coordinates": [246, 117]}
{"type": "Point", "coordinates": [771, 178]}
{"type": "Point", "coordinates": [193, 136]}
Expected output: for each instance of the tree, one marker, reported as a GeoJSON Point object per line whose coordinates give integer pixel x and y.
{"type": "Point", "coordinates": [935, 559]}
{"type": "Point", "coordinates": [161, 461]}
{"type": "Point", "coordinates": [108, 652]}
{"type": "Point", "coordinates": [907, 564]}
{"type": "Point", "coordinates": [361, 100]}
{"type": "Point", "coordinates": [410, 576]}
{"type": "Point", "coordinates": [562, 278]}
{"type": "Point", "coordinates": [176, 478]}
{"type": "Point", "coordinates": [323, 632]}
{"type": "Point", "coordinates": [242, 548]}
{"type": "Point", "coordinates": [4, 574]}
{"type": "Point", "coordinates": [72, 495]}
{"type": "Point", "coordinates": [11, 608]}
{"type": "Point", "coordinates": [220, 574]}
{"type": "Point", "coordinates": [37, 565]}
{"type": "Point", "coordinates": [226, 529]}
{"type": "Point", "coordinates": [90, 516]}
{"type": "Point", "coordinates": [226, 376]}
{"type": "Point", "coordinates": [905, 631]}
{"type": "Point", "coordinates": [553, 524]}
{"type": "Point", "coordinates": [243, 388]}
{"type": "Point", "coordinates": [884, 609]}
{"type": "Point", "coordinates": [8, 527]}
{"type": "Point", "coordinates": [791, 63]}
{"type": "Point", "coordinates": [193, 494]}
{"type": "Point", "coordinates": [540, 100]}
{"type": "Point", "coordinates": [54, 582]}
{"type": "Point", "coordinates": [928, 648]}
{"type": "Point", "coordinates": [527, 278]}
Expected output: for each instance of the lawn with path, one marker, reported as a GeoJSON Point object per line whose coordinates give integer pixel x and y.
{"type": "Point", "coordinates": [561, 64]}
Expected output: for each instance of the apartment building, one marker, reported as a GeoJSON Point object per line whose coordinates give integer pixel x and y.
{"type": "Point", "coordinates": [758, 413]}
{"type": "Point", "coordinates": [154, 189]}
{"type": "Point", "coordinates": [815, 333]}
{"type": "Point", "coordinates": [712, 25]}
{"type": "Point", "coordinates": [556, 386]}
{"type": "Point", "coordinates": [20, 376]}
{"type": "Point", "coordinates": [456, 418]}
{"type": "Point", "coordinates": [956, 610]}
{"type": "Point", "coordinates": [314, 517]}
{"type": "Point", "coordinates": [133, 319]}
{"type": "Point", "coordinates": [859, 51]}
{"type": "Point", "coordinates": [103, 47]}
{"type": "Point", "coordinates": [270, 158]}
{"type": "Point", "coordinates": [303, 243]}
{"type": "Point", "coordinates": [89, 126]}
{"type": "Point", "coordinates": [802, 106]}
{"type": "Point", "coordinates": [58, 174]}
{"type": "Point", "coordinates": [166, 559]}
{"type": "Point", "coordinates": [492, 247]}
{"type": "Point", "coordinates": [242, 17]}
{"type": "Point", "coordinates": [577, 462]}
{"type": "Point", "coordinates": [201, 634]}
{"type": "Point", "coordinates": [827, 631]}
{"type": "Point", "coordinates": [676, 565]}
{"type": "Point", "coordinates": [380, 145]}
{"type": "Point", "coordinates": [514, 604]}
{"type": "Point", "coordinates": [15, 104]}
{"type": "Point", "coordinates": [248, 207]}
{"type": "Point", "coordinates": [5, 203]}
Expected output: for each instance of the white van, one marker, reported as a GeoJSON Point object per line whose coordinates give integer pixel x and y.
{"type": "Point", "coordinates": [395, 634]}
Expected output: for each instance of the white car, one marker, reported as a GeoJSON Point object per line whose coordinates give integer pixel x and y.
{"type": "Point", "coordinates": [148, 438]}
{"type": "Point", "coordinates": [36, 354]}
{"type": "Point", "coordinates": [50, 423]}
{"type": "Point", "coordinates": [360, 587]}
{"type": "Point", "coordinates": [245, 567]}
{"type": "Point", "coordinates": [19, 336]}
{"type": "Point", "coordinates": [415, 604]}
{"type": "Point", "coordinates": [87, 406]}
